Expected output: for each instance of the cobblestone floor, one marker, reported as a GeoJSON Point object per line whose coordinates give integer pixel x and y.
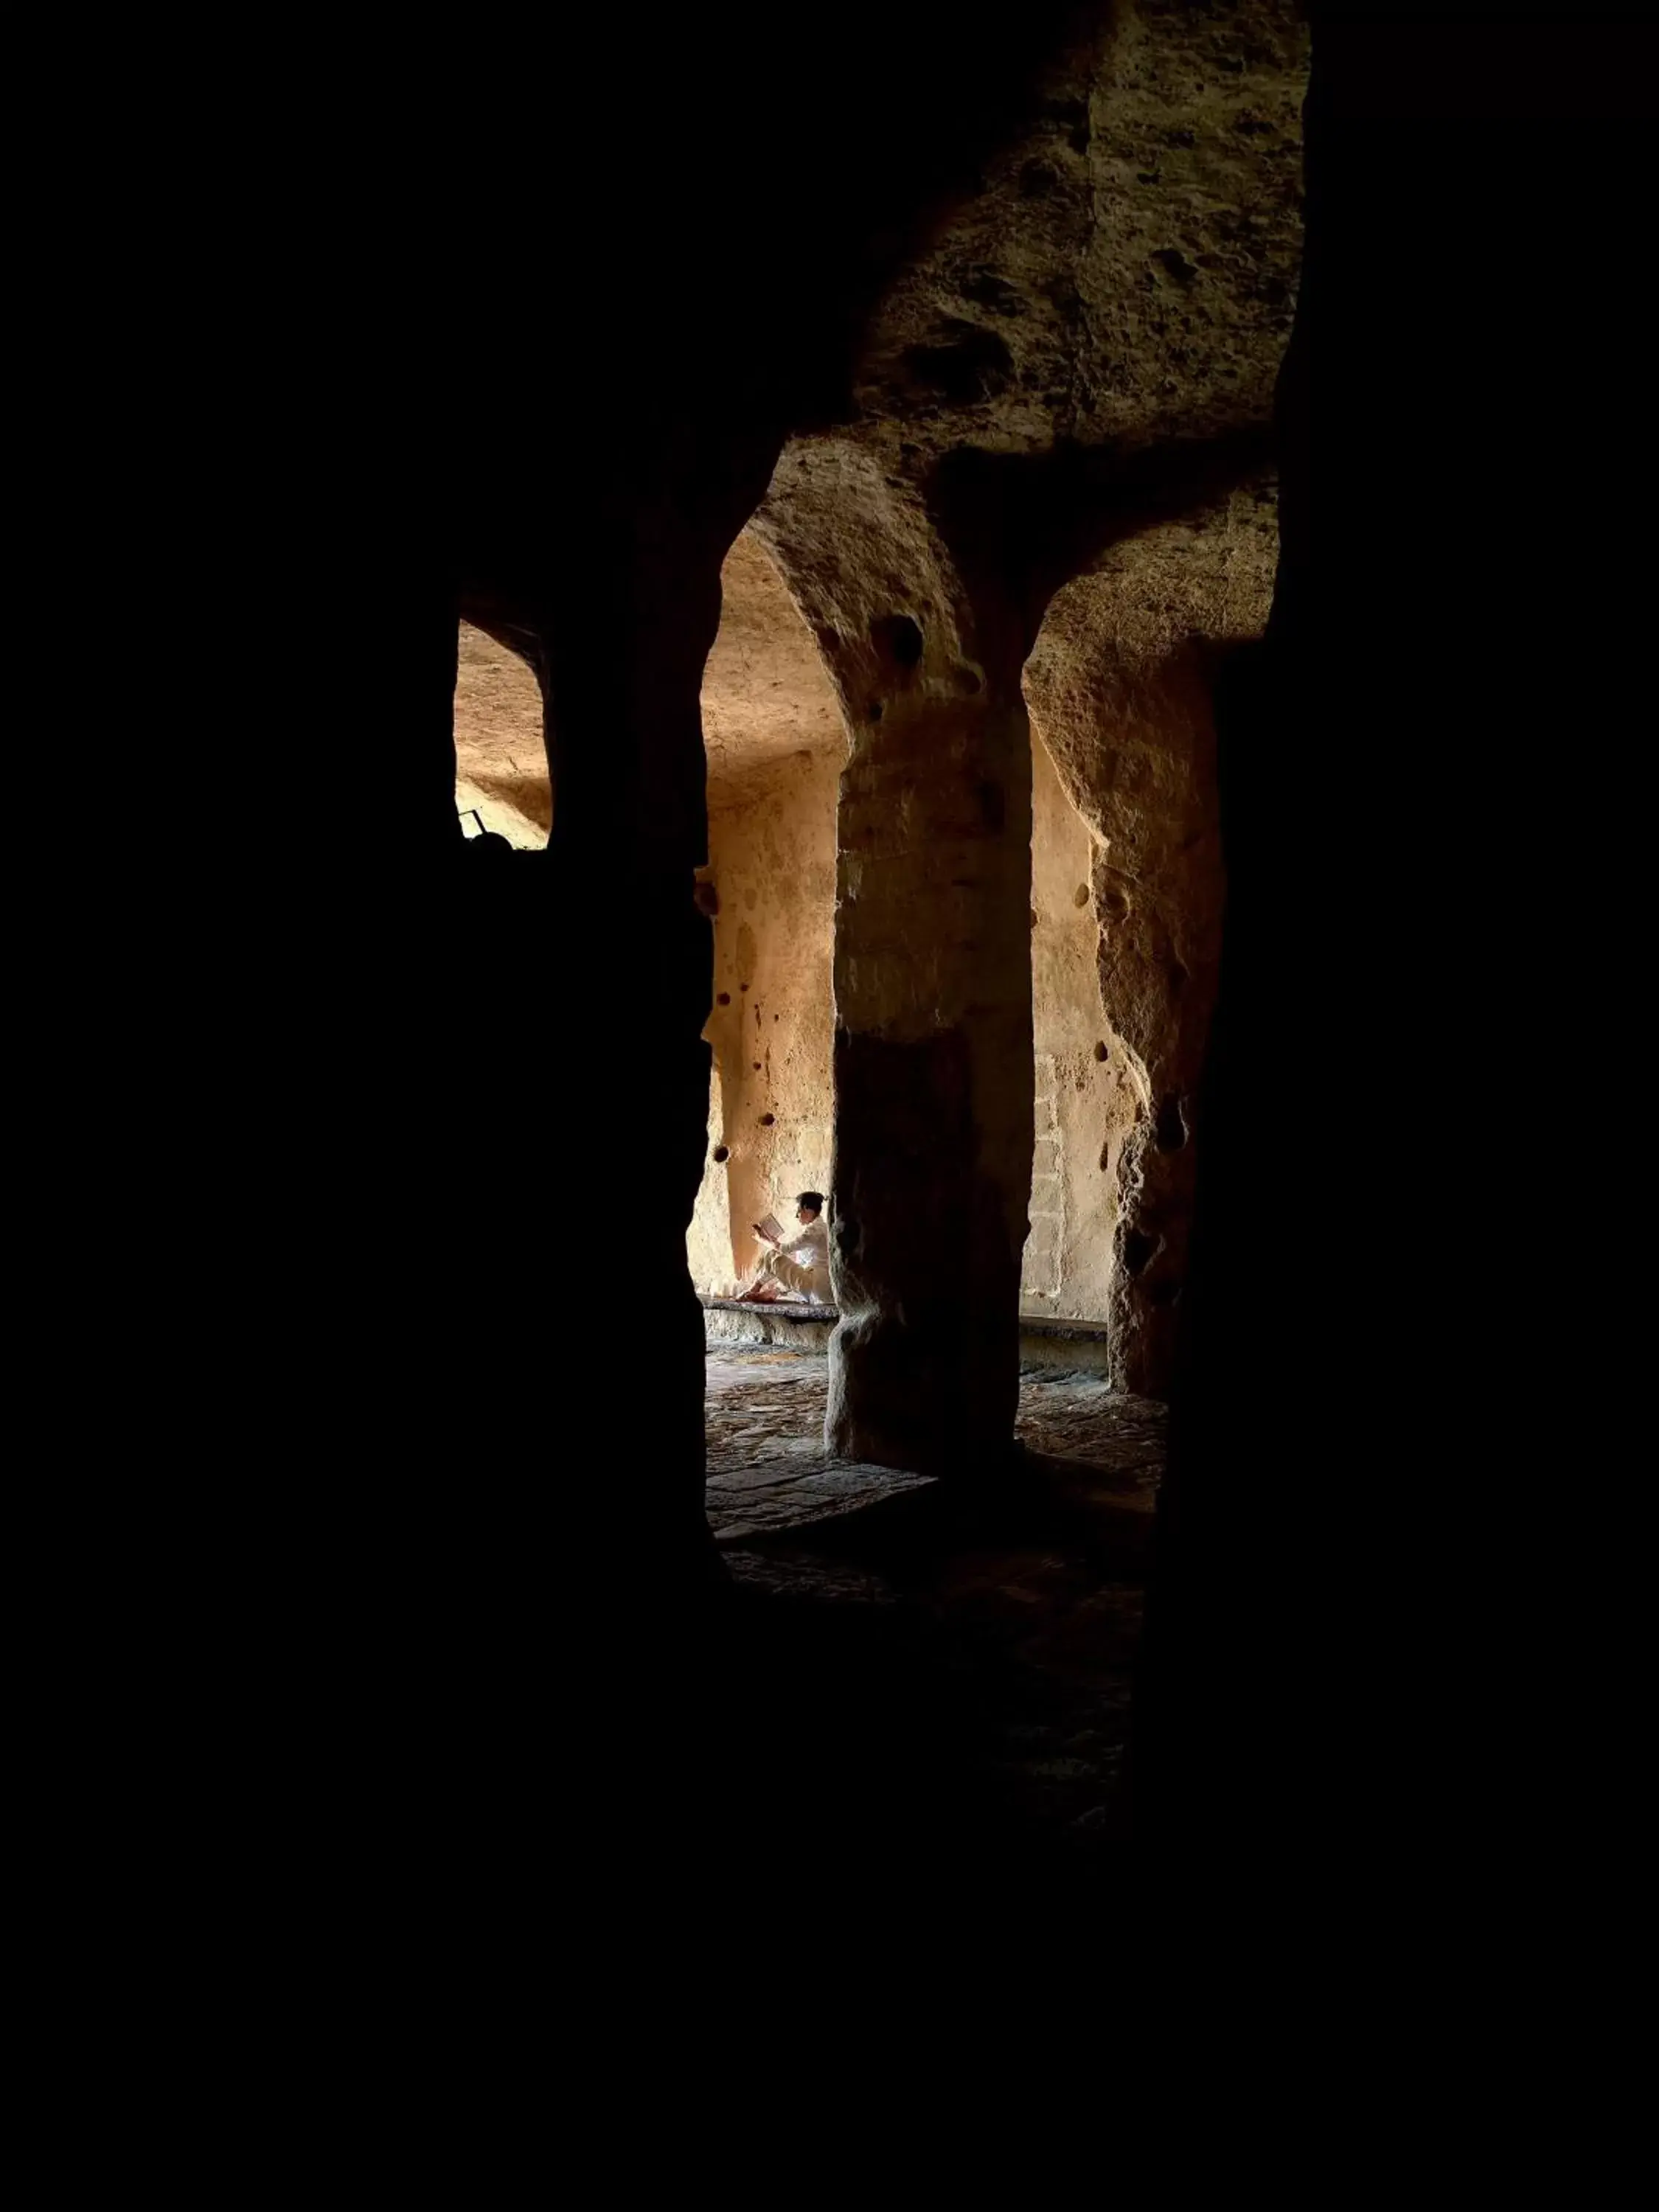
{"type": "Point", "coordinates": [768, 1470]}
{"type": "Point", "coordinates": [1008, 1619]}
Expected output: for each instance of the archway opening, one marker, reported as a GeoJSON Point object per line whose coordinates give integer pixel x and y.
{"type": "Point", "coordinates": [774, 739]}
{"type": "Point", "coordinates": [1120, 690]}
{"type": "Point", "coordinates": [501, 781]}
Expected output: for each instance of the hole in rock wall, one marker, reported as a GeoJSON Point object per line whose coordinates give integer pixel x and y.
{"type": "Point", "coordinates": [1139, 1250]}
{"type": "Point", "coordinates": [898, 640]}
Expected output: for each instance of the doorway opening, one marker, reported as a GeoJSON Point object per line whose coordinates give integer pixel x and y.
{"type": "Point", "coordinates": [775, 741]}
{"type": "Point", "coordinates": [501, 782]}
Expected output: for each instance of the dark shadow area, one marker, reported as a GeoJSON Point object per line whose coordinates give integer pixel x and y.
{"type": "Point", "coordinates": [948, 1665]}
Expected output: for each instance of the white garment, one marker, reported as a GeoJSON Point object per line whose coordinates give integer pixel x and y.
{"type": "Point", "coordinates": [801, 1263]}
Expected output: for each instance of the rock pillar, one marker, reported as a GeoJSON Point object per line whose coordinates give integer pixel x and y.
{"type": "Point", "coordinates": [932, 1076]}
{"type": "Point", "coordinates": [931, 1171]}
{"type": "Point", "coordinates": [629, 983]}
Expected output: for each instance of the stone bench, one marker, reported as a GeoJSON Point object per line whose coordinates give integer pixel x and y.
{"type": "Point", "coordinates": [1078, 1345]}
{"type": "Point", "coordinates": [802, 1327]}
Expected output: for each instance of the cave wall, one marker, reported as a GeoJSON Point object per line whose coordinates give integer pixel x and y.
{"type": "Point", "coordinates": [772, 868]}
{"type": "Point", "coordinates": [708, 1239]}
{"type": "Point", "coordinates": [773, 739]}
{"type": "Point", "coordinates": [1087, 1100]}
{"type": "Point", "coordinates": [1120, 687]}
{"type": "Point", "coordinates": [772, 862]}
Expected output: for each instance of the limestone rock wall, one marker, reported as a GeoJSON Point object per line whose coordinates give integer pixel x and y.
{"type": "Point", "coordinates": [1087, 1095]}
{"type": "Point", "coordinates": [772, 867]}
{"type": "Point", "coordinates": [766, 693]}
{"type": "Point", "coordinates": [772, 872]}
{"type": "Point", "coordinates": [773, 739]}
{"type": "Point", "coordinates": [1120, 687]}
{"type": "Point", "coordinates": [1126, 274]}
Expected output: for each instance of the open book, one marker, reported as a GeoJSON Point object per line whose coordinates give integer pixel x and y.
{"type": "Point", "coordinates": [769, 1226]}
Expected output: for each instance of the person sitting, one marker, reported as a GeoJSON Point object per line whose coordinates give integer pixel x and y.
{"type": "Point", "coordinates": [799, 1264]}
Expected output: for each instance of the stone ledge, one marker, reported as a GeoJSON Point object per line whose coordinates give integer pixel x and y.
{"type": "Point", "coordinates": [803, 1328]}
{"type": "Point", "coordinates": [1044, 1342]}
{"type": "Point", "coordinates": [782, 1308]}
{"type": "Point", "coordinates": [1089, 1332]}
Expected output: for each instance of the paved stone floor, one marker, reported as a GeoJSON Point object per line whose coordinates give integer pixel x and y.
{"type": "Point", "coordinates": [767, 1468]}
{"type": "Point", "coordinates": [993, 1633]}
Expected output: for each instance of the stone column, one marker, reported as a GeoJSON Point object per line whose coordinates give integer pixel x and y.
{"type": "Point", "coordinates": [628, 988]}
{"type": "Point", "coordinates": [599, 1075]}
{"type": "Point", "coordinates": [933, 1077]}
{"type": "Point", "coordinates": [931, 1170]}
